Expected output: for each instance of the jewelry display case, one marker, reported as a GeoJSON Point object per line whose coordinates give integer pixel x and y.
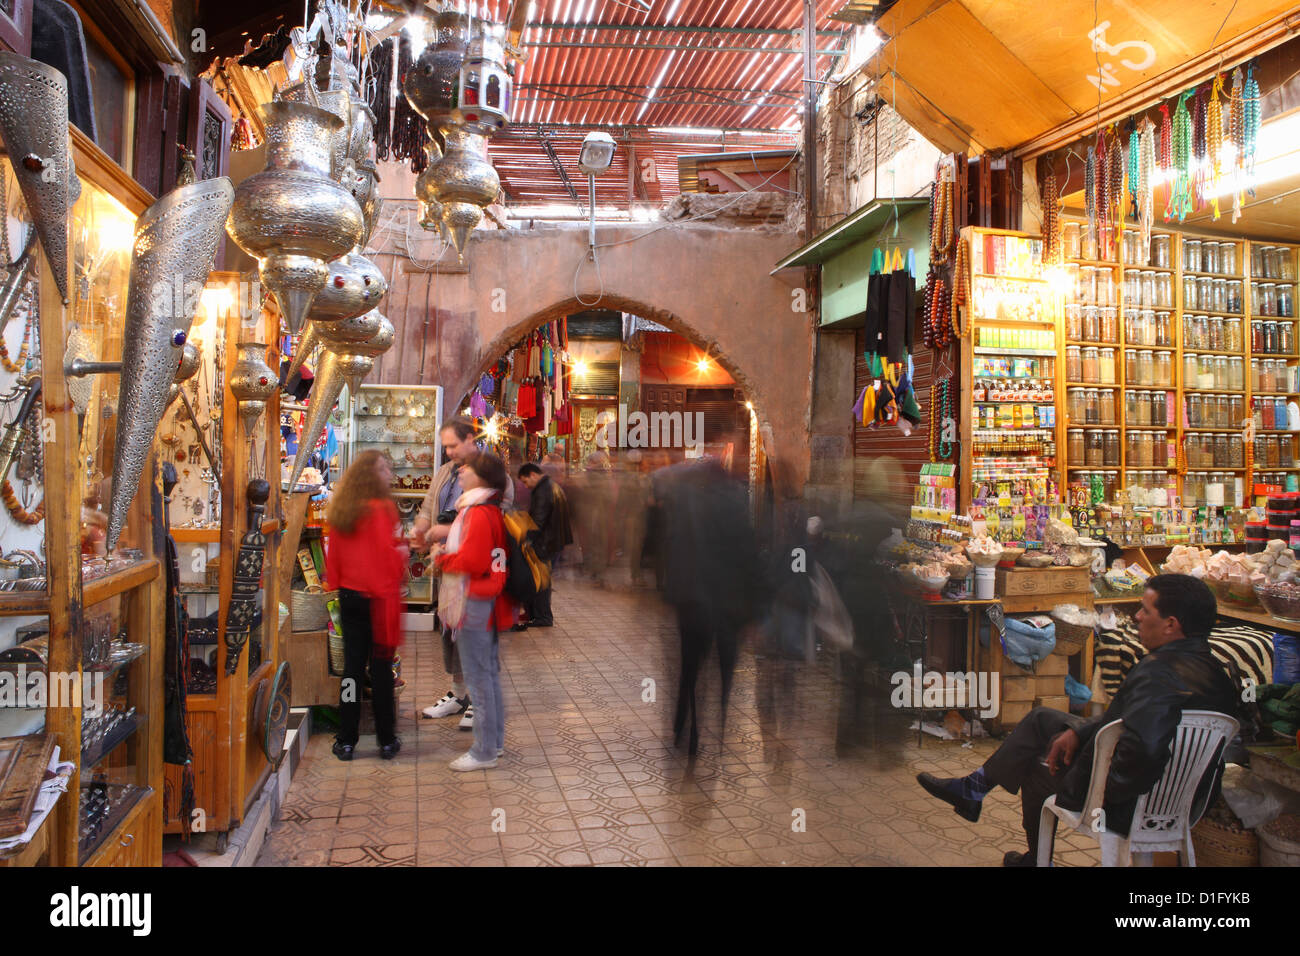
{"type": "Point", "coordinates": [89, 619]}
{"type": "Point", "coordinates": [402, 422]}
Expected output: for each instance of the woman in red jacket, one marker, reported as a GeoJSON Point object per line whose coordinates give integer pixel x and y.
{"type": "Point", "coordinates": [366, 562]}
{"type": "Point", "coordinates": [473, 564]}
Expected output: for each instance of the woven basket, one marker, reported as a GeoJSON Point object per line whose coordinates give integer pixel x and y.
{"type": "Point", "coordinates": [1217, 845]}
{"type": "Point", "coordinates": [1070, 638]}
{"type": "Point", "coordinates": [309, 611]}
{"type": "Point", "coordinates": [336, 653]}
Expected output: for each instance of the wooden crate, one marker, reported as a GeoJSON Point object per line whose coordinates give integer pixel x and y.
{"type": "Point", "coordinates": [1013, 712]}
{"type": "Point", "coordinates": [1053, 665]}
{"type": "Point", "coordinates": [1041, 589]}
{"type": "Point", "coordinates": [1018, 688]}
{"type": "Point", "coordinates": [1060, 702]}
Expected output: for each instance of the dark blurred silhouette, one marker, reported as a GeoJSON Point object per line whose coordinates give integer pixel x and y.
{"type": "Point", "coordinates": [631, 511]}
{"type": "Point", "coordinates": [711, 576]}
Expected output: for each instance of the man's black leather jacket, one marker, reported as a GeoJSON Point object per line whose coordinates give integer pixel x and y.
{"type": "Point", "coordinates": [1182, 675]}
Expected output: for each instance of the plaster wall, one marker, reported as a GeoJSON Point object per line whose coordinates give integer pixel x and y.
{"type": "Point", "coordinates": [709, 283]}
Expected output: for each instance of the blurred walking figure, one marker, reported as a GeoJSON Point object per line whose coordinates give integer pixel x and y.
{"type": "Point", "coordinates": [475, 603]}
{"type": "Point", "coordinates": [711, 576]}
{"type": "Point", "coordinates": [633, 502]}
{"type": "Point", "coordinates": [594, 513]}
{"type": "Point", "coordinates": [806, 615]}
{"type": "Point", "coordinates": [366, 561]}
{"type": "Point", "coordinates": [549, 510]}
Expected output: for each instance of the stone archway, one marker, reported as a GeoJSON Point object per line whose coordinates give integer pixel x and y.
{"type": "Point", "coordinates": [710, 284]}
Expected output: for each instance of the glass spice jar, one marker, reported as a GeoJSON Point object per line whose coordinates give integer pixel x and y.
{"type": "Point", "coordinates": [1074, 321]}
{"type": "Point", "coordinates": [1073, 364]}
{"type": "Point", "coordinates": [1092, 407]}
{"type": "Point", "coordinates": [1074, 446]}
{"type": "Point", "coordinates": [1091, 323]}
{"type": "Point", "coordinates": [1111, 448]}
{"type": "Point", "coordinates": [1195, 413]}
{"type": "Point", "coordinates": [1090, 365]}
{"type": "Point", "coordinates": [1076, 405]}
{"type": "Point", "coordinates": [1106, 366]}
{"type": "Point", "coordinates": [1106, 406]}
{"type": "Point", "coordinates": [1232, 335]}
{"type": "Point", "coordinates": [1095, 449]}
{"type": "Point", "coordinates": [1108, 330]}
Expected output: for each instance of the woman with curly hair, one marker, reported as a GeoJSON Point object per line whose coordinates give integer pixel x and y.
{"type": "Point", "coordinates": [366, 562]}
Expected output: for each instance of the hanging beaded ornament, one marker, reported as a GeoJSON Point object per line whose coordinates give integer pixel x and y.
{"type": "Point", "coordinates": [1166, 155]}
{"type": "Point", "coordinates": [1250, 126]}
{"type": "Point", "coordinates": [1214, 140]}
{"type": "Point", "coordinates": [1146, 174]}
{"type": "Point", "coordinates": [1115, 192]}
{"type": "Point", "coordinates": [1181, 196]}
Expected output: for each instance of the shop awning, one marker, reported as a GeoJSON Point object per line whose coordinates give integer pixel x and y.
{"type": "Point", "coordinates": [976, 76]}
{"type": "Point", "coordinates": [870, 218]}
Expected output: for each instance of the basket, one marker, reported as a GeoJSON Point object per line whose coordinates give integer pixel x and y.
{"type": "Point", "coordinates": [1275, 849]}
{"type": "Point", "coordinates": [1070, 638]}
{"type": "Point", "coordinates": [309, 609]}
{"type": "Point", "coordinates": [336, 653]}
{"type": "Point", "coordinates": [1219, 845]}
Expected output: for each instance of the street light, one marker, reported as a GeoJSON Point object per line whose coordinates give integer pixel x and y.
{"type": "Point", "coordinates": [594, 159]}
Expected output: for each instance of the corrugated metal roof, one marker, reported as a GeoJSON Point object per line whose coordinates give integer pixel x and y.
{"type": "Point", "coordinates": [733, 65]}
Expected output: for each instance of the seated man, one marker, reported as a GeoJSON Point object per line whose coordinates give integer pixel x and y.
{"type": "Point", "coordinates": [1050, 752]}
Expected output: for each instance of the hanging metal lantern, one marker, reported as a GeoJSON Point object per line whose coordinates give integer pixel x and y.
{"type": "Point", "coordinates": [175, 243]}
{"type": "Point", "coordinates": [430, 85]}
{"type": "Point", "coordinates": [365, 190]}
{"type": "Point", "coordinates": [465, 183]}
{"type": "Point", "coordinates": [339, 103]}
{"type": "Point", "coordinates": [348, 331]}
{"type": "Point", "coordinates": [34, 125]}
{"type": "Point", "coordinates": [430, 208]}
{"type": "Point", "coordinates": [189, 366]}
{"type": "Point", "coordinates": [307, 343]}
{"type": "Point", "coordinates": [484, 91]}
{"type": "Point", "coordinates": [252, 382]}
{"type": "Point", "coordinates": [292, 217]}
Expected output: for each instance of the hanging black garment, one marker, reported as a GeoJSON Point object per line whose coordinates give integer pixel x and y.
{"type": "Point", "coordinates": [898, 316]}
{"type": "Point", "coordinates": [877, 324]}
{"type": "Point", "coordinates": [176, 653]}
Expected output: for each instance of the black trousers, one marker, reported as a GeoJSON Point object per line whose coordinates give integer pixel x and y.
{"type": "Point", "coordinates": [539, 610]}
{"type": "Point", "coordinates": [1017, 765]}
{"type": "Point", "coordinates": [358, 652]}
{"type": "Point", "coordinates": [701, 625]}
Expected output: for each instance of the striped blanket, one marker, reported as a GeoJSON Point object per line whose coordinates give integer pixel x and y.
{"type": "Point", "coordinates": [1118, 649]}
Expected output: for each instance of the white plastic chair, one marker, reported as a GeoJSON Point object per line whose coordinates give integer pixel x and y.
{"type": "Point", "coordinates": [1162, 817]}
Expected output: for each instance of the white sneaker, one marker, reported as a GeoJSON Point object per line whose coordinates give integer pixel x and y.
{"type": "Point", "coordinates": [467, 722]}
{"type": "Point", "coordinates": [467, 762]}
{"type": "Point", "coordinates": [501, 751]}
{"type": "Point", "coordinates": [447, 706]}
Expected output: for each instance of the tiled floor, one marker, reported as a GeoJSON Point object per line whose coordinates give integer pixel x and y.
{"type": "Point", "coordinates": [591, 776]}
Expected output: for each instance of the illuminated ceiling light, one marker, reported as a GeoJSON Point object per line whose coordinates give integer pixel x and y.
{"type": "Point", "coordinates": [687, 130]}
{"type": "Point", "coordinates": [703, 364]}
{"type": "Point", "coordinates": [579, 369]}
{"type": "Point", "coordinates": [750, 406]}
{"type": "Point", "coordinates": [493, 428]}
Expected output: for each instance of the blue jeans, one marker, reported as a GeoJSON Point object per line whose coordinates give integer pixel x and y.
{"type": "Point", "coordinates": [477, 642]}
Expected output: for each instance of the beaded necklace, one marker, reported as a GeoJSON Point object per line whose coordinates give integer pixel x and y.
{"type": "Point", "coordinates": [1182, 147]}
{"type": "Point", "coordinates": [1131, 169]}
{"type": "Point", "coordinates": [1250, 126]}
{"type": "Point", "coordinates": [1115, 191]}
{"type": "Point", "coordinates": [1214, 140]}
{"type": "Point", "coordinates": [1146, 170]}
{"type": "Point", "coordinates": [1051, 218]}
{"type": "Point", "coordinates": [9, 364]}
{"type": "Point", "coordinates": [960, 284]}
{"type": "Point", "coordinates": [1200, 146]}
{"type": "Point", "coordinates": [1090, 189]}
{"type": "Point", "coordinates": [1167, 158]}
{"type": "Point", "coordinates": [1235, 126]}
{"type": "Point", "coordinates": [940, 410]}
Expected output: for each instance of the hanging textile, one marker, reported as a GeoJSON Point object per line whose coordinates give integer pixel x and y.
{"type": "Point", "coordinates": [527, 405]}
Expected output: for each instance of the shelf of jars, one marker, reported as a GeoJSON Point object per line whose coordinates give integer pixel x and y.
{"type": "Point", "coordinates": [1010, 437]}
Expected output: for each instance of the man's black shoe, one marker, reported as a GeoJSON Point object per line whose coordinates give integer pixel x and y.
{"type": "Point", "coordinates": [341, 750]}
{"type": "Point", "coordinates": [520, 627]}
{"type": "Point", "coordinates": [1016, 858]}
{"type": "Point", "coordinates": [948, 790]}
{"type": "Point", "coordinates": [389, 751]}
